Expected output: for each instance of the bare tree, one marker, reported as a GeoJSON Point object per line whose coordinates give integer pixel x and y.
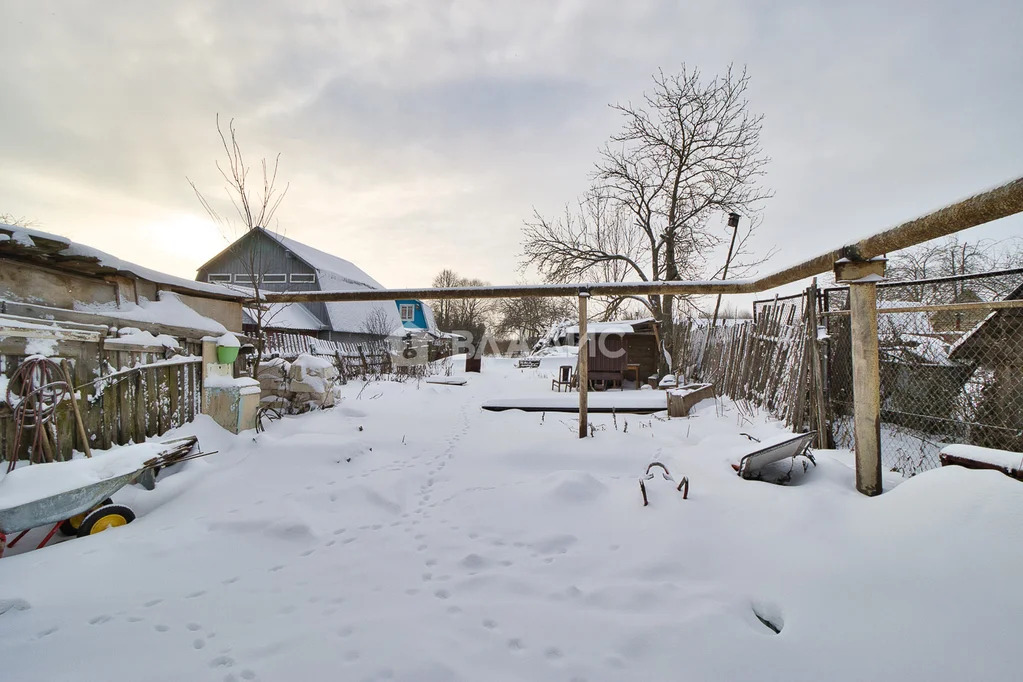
{"type": "Point", "coordinates": [14, 221]}
{"type": "Point", "coordinates": [466, 315]}
{"type": "Point", "coordinates": [955, 256]}
{"type": "Point", "coordinates": [529, 318]}
{"type": "Point", "coordinates": [686, 156]}
{"type": "Point", "coordinates": [255, 209]}
{"type": "Point", "coordinates": [379, 325]}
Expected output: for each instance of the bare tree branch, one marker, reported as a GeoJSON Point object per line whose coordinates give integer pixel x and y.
{"type": "Point", "coordinates": [687, 153]}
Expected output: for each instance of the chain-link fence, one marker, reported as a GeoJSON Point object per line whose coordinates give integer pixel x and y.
{"type": "Point", "coordinates": [950, 373]}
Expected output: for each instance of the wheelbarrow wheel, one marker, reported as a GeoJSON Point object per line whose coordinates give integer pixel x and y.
{"type": "Point", "coordinates": [70, 526]}
{"type": "Point", "coordinates": [107, 516]}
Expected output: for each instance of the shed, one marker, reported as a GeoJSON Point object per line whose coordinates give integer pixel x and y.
{"type": "Point", "coordinates": [49, 276]}
{"type": "Point", "coordinates": [614, 346]}
{"type": "Point", "coordinates": [995, 346]}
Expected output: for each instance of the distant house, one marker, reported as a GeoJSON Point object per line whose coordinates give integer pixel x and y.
{"type": "Point", "coordinates": [995, 348]}
{"type": "Point", "coordinates": [278, 263]}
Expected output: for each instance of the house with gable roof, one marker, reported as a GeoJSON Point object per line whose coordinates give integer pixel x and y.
{"type": "Point", "coordinates": [274, 262]}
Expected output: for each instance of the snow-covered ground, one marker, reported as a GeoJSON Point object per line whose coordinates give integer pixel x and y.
{"type": "Point", "coordinates": [409, 535]}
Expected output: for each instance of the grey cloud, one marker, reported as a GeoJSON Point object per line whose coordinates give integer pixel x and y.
{"type": "Point", "coordinates": [418, 135]}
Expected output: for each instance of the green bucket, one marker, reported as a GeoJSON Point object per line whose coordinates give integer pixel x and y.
{"type": "Point", "coordinates": [227, 354]}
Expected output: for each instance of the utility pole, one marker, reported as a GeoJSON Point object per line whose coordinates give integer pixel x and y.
{"type": "Point", "coordinates": [733, 222]}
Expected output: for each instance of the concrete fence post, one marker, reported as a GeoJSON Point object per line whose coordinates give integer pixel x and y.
{"type": "Point", "coordinates": [584, 366]}
{"type": "Point", "coordinates": [862, 278]}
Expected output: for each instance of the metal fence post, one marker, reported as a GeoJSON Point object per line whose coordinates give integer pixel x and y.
{"type": "Point", "coordinates": [584, 365]}
{"type": "Point", "coordinates": [862, 278]}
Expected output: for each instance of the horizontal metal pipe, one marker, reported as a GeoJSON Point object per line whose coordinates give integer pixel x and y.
{"type": "Point", "coordinates": [997, 203]}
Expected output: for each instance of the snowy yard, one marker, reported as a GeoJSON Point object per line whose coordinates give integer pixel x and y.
{"type": "Point", "coordinates": [409, 535]}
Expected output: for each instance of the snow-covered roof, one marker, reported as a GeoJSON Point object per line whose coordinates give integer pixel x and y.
{"type": "Point", "coordinates": [337, 274]}
{"type": "Point", "coordinates": [66, 254]}
{"type": "Point", "coordinates": [286, 316]}
{"type": "Point", "coordinates": [618, 327]}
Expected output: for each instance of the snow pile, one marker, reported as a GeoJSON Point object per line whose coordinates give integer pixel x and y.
{"type": "Point", "coordinates": [132, 335]}
{"type": "Point", "coordinates": [1000, 458]}
{"type": "Point", "coordinates": [229, 340]}
{"type": "Point", "coordinates": [408, 535]}
{"type": "Point", "coordinates": [40, 346]}
{"type": "Point", "coordinates": [169, 310]}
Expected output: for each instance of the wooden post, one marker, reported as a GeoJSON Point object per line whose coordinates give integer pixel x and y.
{"type": "Point", "coordinates": [819, 418]}
{"type": "Point", "coordinates": [862, 278]}
{"type": "Point", "coordinates": [584, 366]}
{"type": "Point", "coordinates": [82, 435]}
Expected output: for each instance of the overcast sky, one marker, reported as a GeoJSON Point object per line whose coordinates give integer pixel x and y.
{"type": "Point", "coordinates": [418, 136]}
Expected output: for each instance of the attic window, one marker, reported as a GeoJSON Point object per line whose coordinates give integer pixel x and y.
{"type": "Point", "coordinates": [275, 279]}
{"type": "Point", "coordinates": [303, 277]}
{"type": "Point", "coordinates": [219, 277]}
{"type": "Point", "coordinates": [242, 278]}
{"type": "Point", "coordinates": [408, 312]}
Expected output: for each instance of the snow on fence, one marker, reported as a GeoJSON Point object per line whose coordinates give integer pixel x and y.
{"type": "Point", "coordinates": [351, 359]}
{"type": "Point", "coordinates": [127, 391]}
{"type": "Point", "coordinates": [950, 354]}
{"type": "Point", "coordinates": [354, 360]}
{"type": "Point", "coordinates": [766, 362]}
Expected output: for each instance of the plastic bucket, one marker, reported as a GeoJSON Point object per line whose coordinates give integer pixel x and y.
{"type": "Point", "coordinates": [227, 354]}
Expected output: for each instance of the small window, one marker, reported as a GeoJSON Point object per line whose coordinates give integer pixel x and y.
{"type": "Point", "coordinates": [408, 312]}
{"type": "Point", "coordinates": [303, 277]}
{"type": "Point", "coordinates": [241, 278]}
{"type": "Point", "coordinates": [220, 277]}
{"type": "Point", "coordinates": [275, 279]}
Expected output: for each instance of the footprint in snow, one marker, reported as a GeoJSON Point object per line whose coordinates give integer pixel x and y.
{"type": "Point", "coordinates": [222, 662]}
{"type": "Point", "coordinates": [152, 602]}
{"type": "Point", "coordinates": [99, 620]}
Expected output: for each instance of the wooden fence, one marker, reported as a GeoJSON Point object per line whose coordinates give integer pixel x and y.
{"type": "Point", "coordinates": [126, 392]}
{"type": "Point", "coordinates": [774, 362]}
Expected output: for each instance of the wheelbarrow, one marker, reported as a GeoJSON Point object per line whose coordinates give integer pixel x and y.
{"type": "Point", "coordinates": [88, 509]}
